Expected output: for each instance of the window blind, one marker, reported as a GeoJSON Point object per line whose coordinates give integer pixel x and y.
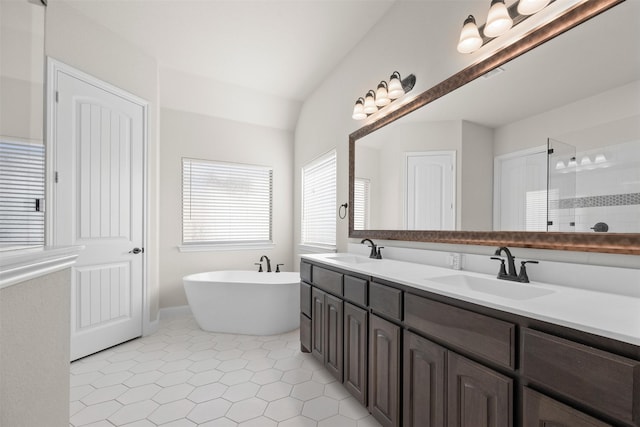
{"type": "Point", "coordinates": [319, 201]}
{"type": "Point", "coordinates": [361, 203]}
{"type": "Point", "coordinates": [21, 192]}
{"type": "Point", "coordinates": [225, 203]}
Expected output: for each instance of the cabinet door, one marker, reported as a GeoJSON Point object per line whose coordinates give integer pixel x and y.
{"type": "Point", "coordinates": [542, 411]}
{"type": "Point", "coordinates": [317, 324]}
{"type": "Point", "coordinates": [384, 371]}
{"type": "Point", "coordinates": [333, 336]}
{"type": "Point", "coordinates": [477, 395]}
{"type": "Point", "coordinates": [355, 352]}
{"type": "Point", "coordinates": [423, 385]}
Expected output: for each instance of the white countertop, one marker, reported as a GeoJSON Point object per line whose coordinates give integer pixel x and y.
{"type": "Point", "coordinates": [26, 264]}
{"type": "Point", "coordinates": [606, 314]}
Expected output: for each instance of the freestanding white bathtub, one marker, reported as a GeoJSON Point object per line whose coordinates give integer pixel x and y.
{"type": "Point", "coordinates": [244, 302]}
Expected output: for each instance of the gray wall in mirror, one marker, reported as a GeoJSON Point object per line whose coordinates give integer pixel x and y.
{"type": "Point", "coordinates": [580, 90]}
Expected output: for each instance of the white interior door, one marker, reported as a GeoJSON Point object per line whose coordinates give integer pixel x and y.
{"type": "Point", "coordinates": [520, 191]}
{"type": "Point", "coordinates": [98, 197]}
{"type": "Point", "coordinates": [430, 190]}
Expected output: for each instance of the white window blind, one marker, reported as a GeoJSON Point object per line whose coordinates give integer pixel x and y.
{"type": "Point", "coordinates": [361, 193]}
{"type": "Point", "coordinates": [319, 201]}
{"type": "Point", "coordinates": [21, 194]}
{"type": "Point", "coordinates": [225, 203]}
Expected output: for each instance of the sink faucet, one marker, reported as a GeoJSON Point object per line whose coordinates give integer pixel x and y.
{"type": "Point", "coordinates": [266, 258]}
{"type": "Point", "coordinates": [511, 275]}
{"type": "Point", "coordinates": [375, 251]}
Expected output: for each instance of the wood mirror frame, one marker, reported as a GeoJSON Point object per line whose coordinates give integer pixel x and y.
{"type": "Point", "coordinates": [618, 243]}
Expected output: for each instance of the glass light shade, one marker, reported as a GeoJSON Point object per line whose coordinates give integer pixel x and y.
{"type": "Point", "coordinates": [560, 165]}
{"type": "Point", "coordinates": [395, 89]}
{"type": "Point", "coordinates": [382, 97]}
{"type": "Point", "coordinates": [572, 163]}
{"type": "Point", "coordinates": [358, 110]}
{"type": "Point", "coordinates": [585, 161]}
{"type": "Point", "coordinates": [600, 158]}
{"type": "Point", "coordinates": [470, 39]}
{"type": "Point", "coordinates": [498, 20]}
{"type": "Point", "coordinates": [369, 103]}
{"type": "Point", "coordinates": [529, 7]}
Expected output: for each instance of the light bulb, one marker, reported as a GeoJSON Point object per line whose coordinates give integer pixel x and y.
{"type": "Point", "coordinates": [369, 103]}
{"type": "Point", "coordinates": [600, 158]}
{"type": "Point", "coordinates": [529, 7]}
{"type": "Point", "coordinates": [358, 110]}
{"type": "Point", "coordinates": [470, 39]}
{"type": "Point", "coordinates": [498, 19]}
{"type": "Point", "coordinates": [382, 97]}
{"type": "Point", "coordinates": [395, 89]}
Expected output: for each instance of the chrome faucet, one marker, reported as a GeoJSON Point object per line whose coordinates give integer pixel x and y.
{"type": "Point", "coordinates": [375, 250]}
{"type": "Point", "coordinates": [511, 274]}
{"type": "Point", "coordinates": [266, 258]}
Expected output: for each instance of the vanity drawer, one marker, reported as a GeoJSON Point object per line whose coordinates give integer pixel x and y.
{"type": "Point", "coordinates": [305, 298]}
{"type": "Point", "coordinates": [484, 336]}
{"type": "Point", "coordinates": [385, 300]}
{"type": "Point", "coordinates": [540, 410]}
{"type": "Point", "coordinates": [596, 378]}
{"type": "Point", "coordinates": [355, 290]}
{"type": "Point", "coordinates": [328, 280]}
{"type": "Point", "coordinates": [305, 272]}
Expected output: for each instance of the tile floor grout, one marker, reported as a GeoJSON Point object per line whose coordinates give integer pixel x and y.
{"type": "Point", "coordinates": [183, 376]}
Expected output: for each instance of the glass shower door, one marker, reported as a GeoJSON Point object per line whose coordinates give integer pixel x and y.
{"type": "Point", "coordinates": [561, 186]}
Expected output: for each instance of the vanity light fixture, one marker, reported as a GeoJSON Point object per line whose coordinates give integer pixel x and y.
{"type": "Point", "coordinates": [370, 106]}
{"type": "Point", "coordinates": [470, 39]}
{"type": "Point", "coordinates": [384, 95]}
{"type": "Point", "coordinates": [585, 161]}
{"type": "Point", "coordinates": [500, 19]}
{"type": "Point", "coordinates": [600, 158]}
{"type": "Point", "coordinates": [358, 110]}
{"type": "Point", "coordinates": [529, 7]}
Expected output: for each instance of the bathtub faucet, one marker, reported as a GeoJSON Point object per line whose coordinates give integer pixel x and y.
{"type": "Point", "coordinates": [266, 258]}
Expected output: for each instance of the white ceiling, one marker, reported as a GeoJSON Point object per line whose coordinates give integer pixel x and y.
{"type": "Point", "coordinates": [282, 48]}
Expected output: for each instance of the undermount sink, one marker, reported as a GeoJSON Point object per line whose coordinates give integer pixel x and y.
{"type": "Point", "coordinates": [496, 287]}
{"type": "Point", "coordinates": [350, 259]}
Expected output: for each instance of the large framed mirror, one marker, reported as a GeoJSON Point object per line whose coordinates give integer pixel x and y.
{"type": "Point", "coordinates": [537, 146]}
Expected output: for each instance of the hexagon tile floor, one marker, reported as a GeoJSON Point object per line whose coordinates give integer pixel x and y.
{"type": "Point", "coordinates": [183, 376]}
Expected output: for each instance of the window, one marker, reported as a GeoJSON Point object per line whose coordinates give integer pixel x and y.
{"type": "Point", "coordinates": [21, 194]}
{"type": "Point", "coordinates": [225, 204]}
{"type": "Point", "coordinates": [319, 202]}
{"type": "Point", "coordinates": [361, 203]}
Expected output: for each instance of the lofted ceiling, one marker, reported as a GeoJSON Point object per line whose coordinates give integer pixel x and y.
{"type": "Point", "coordinates": [281, 48]}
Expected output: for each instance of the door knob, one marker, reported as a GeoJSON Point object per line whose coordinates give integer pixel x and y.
{"type": "Point", "coordinates": [136, 251]}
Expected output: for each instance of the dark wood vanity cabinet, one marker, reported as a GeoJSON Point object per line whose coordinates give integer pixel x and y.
{"type": "Point", "coordinates": [440, 385]}
{"type": "Point", "coordinates": [327, 331]}
{"type": "Point", "coordinates": [355, 351]}
{"type": "Point", "coordinates": [423, 382]}
{"type": "Point", "coordinates": [477, 396]}
{"type": "Point", "coordinates": [384, 371]}
{"type": "Point", "coordinates": [333, 336]}
{"type": "Point", "coordinates": [417, 359]}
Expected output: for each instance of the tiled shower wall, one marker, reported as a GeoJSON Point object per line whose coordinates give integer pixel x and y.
{"type": "Point", "coordinates": [606, 192]}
